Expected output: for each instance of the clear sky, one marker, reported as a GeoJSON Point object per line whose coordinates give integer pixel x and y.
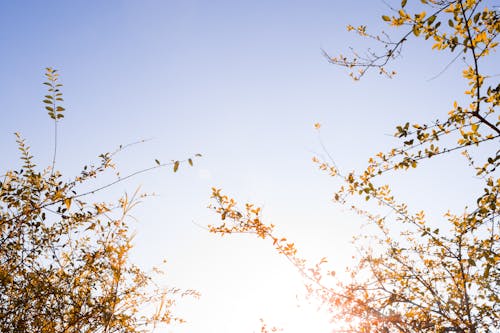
{"type": "Point", "coordinates": [241, 82]}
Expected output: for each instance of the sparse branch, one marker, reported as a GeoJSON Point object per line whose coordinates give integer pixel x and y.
{"type": "Point", "coordinates": [476, 112]}
{"type": "Point", "coordinates": [67, 270]}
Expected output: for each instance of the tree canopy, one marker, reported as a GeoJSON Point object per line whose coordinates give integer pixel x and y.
{"type": "Point", "coordinates": [64, 256]}
{"type": "Point", "coordinates": [64, 263]}
{"type": "Point", "coordinates": [419, 275]}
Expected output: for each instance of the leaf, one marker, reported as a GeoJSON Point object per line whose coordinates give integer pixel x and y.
{"type": "Point", "coordinates": [408, 143]}
{"type": "Point", "coordinates": [416, 30]}
{"type": "Point", "coordinates": [476, 17]}
{"type": "Point", "coordinates": [157, 162]}
{"type": "Point", "coordinates": [58, 195]}
{"type": "Point", "coordinates": [67, 202]}
{"type": "Point", "coordinates": [176, 166]}
{"type": "Point", "coordinates": [403, 3]}
{"type": "Point", "coordinates": [386, 18]}
{"type": "Point", "coordinates": [190, 161]}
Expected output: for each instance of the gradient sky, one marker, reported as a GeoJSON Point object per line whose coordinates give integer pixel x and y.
{"type": "Point", "coordinates": [241, 82]}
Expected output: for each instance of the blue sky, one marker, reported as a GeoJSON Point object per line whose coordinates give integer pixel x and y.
{"type": "Point", "coordinates": [241, 82]}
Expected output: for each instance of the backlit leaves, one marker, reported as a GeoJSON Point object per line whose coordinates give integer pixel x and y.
{"type": "Point", "coordinates": [419, 275]}
{"type": "Point", "coordinates": [64, 263]}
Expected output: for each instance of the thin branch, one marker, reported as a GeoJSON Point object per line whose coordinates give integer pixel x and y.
{"type": "Point", "coordinates": [476, 113]}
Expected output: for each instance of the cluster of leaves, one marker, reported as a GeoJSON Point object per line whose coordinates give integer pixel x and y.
{"type": "Point", "coordinates": [265, 329]}
{"type": "Point", "coordinates": [54, 94]}
{"type": "Point", "coordinates": [64, 263]}
{"type": "Point", "coordinates": [417, 277]}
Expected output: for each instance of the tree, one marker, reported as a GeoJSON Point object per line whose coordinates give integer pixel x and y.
{"type": "Point", "coordinates": [64, 263]}
{"type": "Point", "coordinates": [425, 278]}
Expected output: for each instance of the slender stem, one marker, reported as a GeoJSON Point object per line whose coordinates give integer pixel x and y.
{"type": "Point", "coordinates": [55, 147]}
{"type": "Point", "coordinates": [472, 48]}
{"type": "Point", "coordinates": [51, 203]}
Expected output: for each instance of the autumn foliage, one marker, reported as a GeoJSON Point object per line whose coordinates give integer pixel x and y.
{"type": "Point", "coordinates": [417, 277]}
{"type": "Point", "coordinates": [64, 264]}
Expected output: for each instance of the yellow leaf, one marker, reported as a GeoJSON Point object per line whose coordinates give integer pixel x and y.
{"type": "Point", "coordinates": [58, 195]}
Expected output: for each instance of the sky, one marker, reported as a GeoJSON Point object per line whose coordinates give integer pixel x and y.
{"type": "Point", "coordinates": [242, 83]}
